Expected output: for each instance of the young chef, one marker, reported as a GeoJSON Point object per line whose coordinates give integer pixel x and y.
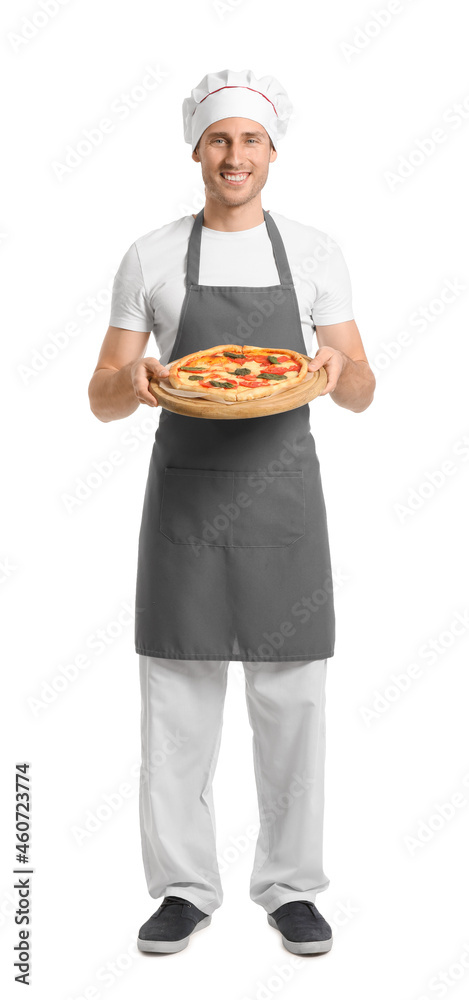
{"type": "Point", "coordinates": [256, 583]}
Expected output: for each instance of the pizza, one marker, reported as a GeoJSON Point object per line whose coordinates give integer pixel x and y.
{"type": "Point", "coordinates": [235, 372]}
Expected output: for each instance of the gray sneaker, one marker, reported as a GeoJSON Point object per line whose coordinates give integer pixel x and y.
{"type": "Point", "coordinates": [304, 931]}
{"type": "Point", "coordinates": [171, 926]}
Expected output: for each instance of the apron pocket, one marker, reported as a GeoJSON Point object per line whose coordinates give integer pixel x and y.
{"type": "Point", "coordinates": [234, 509]}
{"type": "Point", "coordinates": [194, 506]}
{"type": "Point", "coordinates": [272, 509]}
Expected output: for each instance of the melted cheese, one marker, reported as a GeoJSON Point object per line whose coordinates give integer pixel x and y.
{"type": "Point", "coordinates": [254, 366]}
{"type": "Point", "coordinates": [222, 367]}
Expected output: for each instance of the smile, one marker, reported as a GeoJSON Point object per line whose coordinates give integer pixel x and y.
{"type": "Point", "coordinates": [238, 178]}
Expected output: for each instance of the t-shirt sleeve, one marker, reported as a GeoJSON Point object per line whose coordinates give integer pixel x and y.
{"type": "Point", "coordinates": [333, 302]}
{"type": "Point", "coordinates": [130, 307]}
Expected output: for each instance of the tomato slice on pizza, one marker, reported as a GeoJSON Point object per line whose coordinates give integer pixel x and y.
{"type": "Point", "coordinates": [236, 372]}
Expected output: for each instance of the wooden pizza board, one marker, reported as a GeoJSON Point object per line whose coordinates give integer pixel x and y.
{"type": "Point", "coordinates": [212, 409]}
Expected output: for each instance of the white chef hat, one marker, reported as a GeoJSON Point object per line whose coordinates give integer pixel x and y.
{"type": "Point", "coordinates": [239, 94]}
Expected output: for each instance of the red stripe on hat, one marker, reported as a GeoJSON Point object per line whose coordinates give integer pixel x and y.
{"type": "Point", "coordinates": [231, 86]}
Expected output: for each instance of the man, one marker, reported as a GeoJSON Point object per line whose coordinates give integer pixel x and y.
{"type": "Point", "coordinates": [255, 584]}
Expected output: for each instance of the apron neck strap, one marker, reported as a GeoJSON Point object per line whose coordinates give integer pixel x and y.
{"type": "Point", "coordinates": [193, 252]}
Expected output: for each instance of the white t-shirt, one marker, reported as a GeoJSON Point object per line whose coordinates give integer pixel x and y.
{"type": "Point", "coordinates": [149, 286]}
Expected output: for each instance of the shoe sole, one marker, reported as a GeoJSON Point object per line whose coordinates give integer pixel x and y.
{"type": "Point", "coordinates": [302, 947]}
{"type": "Point", "coordinates": [172, 946]}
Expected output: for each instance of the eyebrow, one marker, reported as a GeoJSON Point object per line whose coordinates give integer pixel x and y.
{"type": "Point", "coordinates": [227, 134]}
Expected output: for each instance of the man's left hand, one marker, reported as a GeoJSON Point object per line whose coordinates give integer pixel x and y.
{"type": "Point", "coordinates": [333, 362]}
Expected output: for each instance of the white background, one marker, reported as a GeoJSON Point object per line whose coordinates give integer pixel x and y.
{"type": "Point", "coordinates": [398, 909]}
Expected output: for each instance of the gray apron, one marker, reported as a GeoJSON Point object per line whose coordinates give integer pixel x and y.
{"type": "Point", "coordinates": [233, 555]}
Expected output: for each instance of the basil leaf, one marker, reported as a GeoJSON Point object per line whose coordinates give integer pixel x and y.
{"type": "Point", "coordinates": [271, 375]}
{"type": "Point", "coordinates": [222, 385]}
{"type": "Point", "coordinates": [230, 354]}
{"type": "Point", "coordinates": [195, 378]}
{"type": "Point", "coordinates": [273, 359]}
{"type": "Point", "coordinates": [191, 368]}
{"type": "Point", "coordinates": [242, 371]}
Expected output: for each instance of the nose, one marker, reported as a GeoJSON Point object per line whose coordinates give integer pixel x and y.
{"type": "Point", "coordinates": [234, 156]}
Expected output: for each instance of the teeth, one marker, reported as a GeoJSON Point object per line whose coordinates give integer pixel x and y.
{"type": "Point", "coordinates": [235, 177]}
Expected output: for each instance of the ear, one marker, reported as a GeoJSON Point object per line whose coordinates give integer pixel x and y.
{"type": "Point", "coordinates": [273, 155]}
{"type": "Point", "coordinates": [195, 156]}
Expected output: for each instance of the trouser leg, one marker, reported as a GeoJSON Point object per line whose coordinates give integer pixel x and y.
{"type": "Point", "coordinates": [286, 708]}
{"type": "Point", "coordinates": [181, 725]}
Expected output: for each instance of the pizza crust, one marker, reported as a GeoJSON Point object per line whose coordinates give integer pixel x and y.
{"type": "Point", "coordinates": [180, 379]}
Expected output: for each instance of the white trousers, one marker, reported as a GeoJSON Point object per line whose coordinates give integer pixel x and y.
{"type": "Point", "coordinates": [181, 726]}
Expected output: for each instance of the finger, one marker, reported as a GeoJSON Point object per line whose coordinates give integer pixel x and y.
{"type": "Point", "coordinates": [143, 393]}
{"type": "Point", "coordinates": [319, 360]}
{"type": "Point", "coordinates": [148, 400]}
{"type": "Point", "coordinates": [314, 367]}
{"type": "Point", "coordinates": [154, 367]}
{"type": "Point", "coordinates": [159, 372]}
{"type": "Point", "coordinates": [331, 369]}
{"type": "Point", "coordinates": [331, 383]}
{"type": "Point", "coordinates": [148, 370]}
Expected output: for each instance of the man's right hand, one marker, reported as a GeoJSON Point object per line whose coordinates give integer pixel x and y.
{"type": "Point", "coordinates": [141, 371]}
{"type": "Point", "coordinates": [120, 380]}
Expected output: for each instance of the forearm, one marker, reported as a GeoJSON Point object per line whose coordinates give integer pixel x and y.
{"type": "Point", "coordinates": [111, 393]}
{"type": "Point", "coordinates": [356, 385]}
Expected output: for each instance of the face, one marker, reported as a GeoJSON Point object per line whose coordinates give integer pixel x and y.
{"type": "Point", "coordinates": [235, 154]}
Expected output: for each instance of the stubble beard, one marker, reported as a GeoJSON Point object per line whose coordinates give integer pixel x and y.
{"type": "Point", "coordinates": [216, 192]}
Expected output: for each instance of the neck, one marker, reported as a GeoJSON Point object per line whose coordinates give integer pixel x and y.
{"type": "Point", "coordinates": [232, 218]}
